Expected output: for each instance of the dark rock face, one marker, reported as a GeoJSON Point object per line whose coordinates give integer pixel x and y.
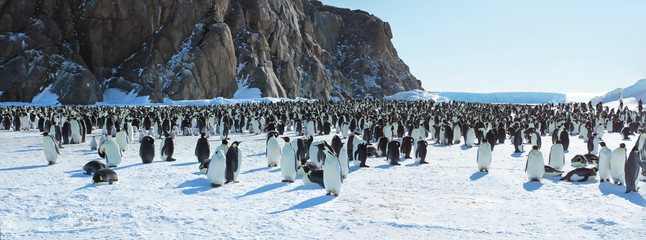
{"type": "Point", "coordinates": [195, 49]}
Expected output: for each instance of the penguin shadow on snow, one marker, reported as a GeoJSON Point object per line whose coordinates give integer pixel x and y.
{"type": "Point", "coordinates": [257, 155]}
{"type": "Point", "coordinates": [27, 150]}
{"type": "Point", "coordinates": [465, 147]}
{"type": "Point", "coordinates": [86, 152]}
{"type": "Point", "coordinates": [303, 188]}
{"type": "Point", "coordinates": [263, 189]}
{"type": "Point", "coordinates": [23, 168]}
{"type": "Point", "coordinates": [78, 174]}
{"type": "Point", "coordinates": [532, 186]}
{"type": "Point", "coordinates": [312, 202]}
{"type": "Point", "coordinates": [89, 185]}
{"type": "Point", "coordinates": [477, 175]}
{"type": "Point", "coordinates": [517, 155]}
{"type": "Point", "coordinates": [184, 164]}
{"type": "Point", "coordinates": [274, 170]}
{"type": "Point", "coordinates": [636, 198]}
{"type": "Point", "coordinates": [195, 186]}
{"type": "Point", "coordinates": [256, 170]}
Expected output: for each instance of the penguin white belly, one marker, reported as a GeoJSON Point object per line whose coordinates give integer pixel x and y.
{"type": "Point", "coordinates": [484, 156]}
{"type": "Point", "coordinates": [332, 177]}
{"type": "Point", "coordinates": [215, 172]}
{"type": "Point", "coordinates": [535, 167]}
{"type": "Point", "coordinates": [112, 153]}
{"type": "Point", "coordinates": [343, 161]}
{"type": "Point", "coordinates": [76, 132]}
{"type": "Point", "coordinates": [604, 164]}
{"type": "Point", "coordinates": [122, 140]}
{"type": "Point", "coordinates": [288, 163]}
{"type": "Point", "coordinates": [557, 157]}
{"type": "Point", "coordinates": [273, 152]}
{"type": "Point", "coordinates": [617, 162]}
{"type": "Point", "coordinates": [471, 138]}
{"type": "Point", "coordinates": [161, 150]}
{"type": "Point", "coordinates": [576, 178]}
{"type": "Point", "coordinates": [49, 148]}
{"type": "Point", "coordinates": [237, 173]}
{"type": "Point", "coordinates": [307, 182]}
{"type": "Point", "coordinates": [314, 151]}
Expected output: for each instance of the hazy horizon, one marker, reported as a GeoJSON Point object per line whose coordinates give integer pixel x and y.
{"type": "Point", "coordinates": [517, 46]}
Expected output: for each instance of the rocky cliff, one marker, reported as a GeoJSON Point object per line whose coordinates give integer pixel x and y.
{"type": "Point", "coordinates": [195, 49]}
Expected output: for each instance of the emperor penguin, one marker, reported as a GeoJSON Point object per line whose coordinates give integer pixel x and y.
{"type": "Point", "coordinates": [104, 176]}
{"type": "Point", "coordinates": [202, 149]}
{"type": "Point", "coordinates": [288, 161]}
{"type": "Point", "coordinates": [518, 141]}
{"type": "Point", "coordinates": [382, 144]}
{"type": "Point", "coordinates": [167, 148]}
{"type": "Point", "coordinates": [313, 176]}
{"type": "Point", "coordinates": [224, 146]}
{"type": "Point", "coordinates": [216, 170]}
{"type": "Point", "coordinates": [565, 139]}
{"type": "Point", "coordinates": [272, 151]}
{"type": "Point", "coordinates": [535, 139]}
{"type": "Point", "coordinates": [50, 147]}
{"type": "Point", "coordinates": [581, 175]}
{"type": "Point", "coordinates": [121, 138]}
{"type": "Point", "coordinates": [233, 162]}
{"type": "Point", "coordinates": [93, 144]}
{"type": "Point", "coordinates": [593, 144]}
{"type": "Point", "coordinates": [111, 152]}
{"type": "Point", "coordinates": [470, 138]}
{"type": "Point", "coordinates": [344, 161]}
{"type": "Point", "coordinates": [631, 171]}
{"type": "Point", "coordinates": [484, 156]}
{"type": "Point", "coordinates": [361, 155]}
{"type": "Point", "coordinates": [557, 156]}
{"type": "Point", "coordinates": [535, 166]}
{"type": "Point", "coordinates": [617, 163]}
{"type": "Point", "coordinates": [332, 178]}
{"type": "Point", "coordinates": [420, 152]}
{"type": "Point", "coordinates": [93, 166]}
{"type": "Point", "coordinates": [406, 146]}
{"type": "Point", "coordinates": [147, 149]}
{"type": "Point", "coordinates": [604, 162]}
{"type": "Point", "coordinates": [76, 132]}
{"type": "Point", "coordinates": [393, 152]}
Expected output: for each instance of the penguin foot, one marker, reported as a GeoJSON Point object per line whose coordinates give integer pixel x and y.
{"type": "Point", "coordinates": [423, 162]}
{"type": "Point", "coordinates": [602, 180]}
{"type": "Point", "coordinates": [51, 163]}
{"type": "Point", "coordinates": [228, 181]}
{"type": "Point", "coordinates": [289, 181]}
{"type": "Point", "coordinates": [171, 160]}
{"type": "Point", "coordinates": [216, 185]}
{"type": "Point", "coordinates": [363, 165]}
{"type": "Point", "coordinates": [395, 164]}
{"type": "Point", "coordinates": [327, 194]}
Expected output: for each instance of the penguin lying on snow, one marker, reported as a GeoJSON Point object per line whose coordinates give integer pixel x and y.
{"type": "Point", "coordinates": [581, 175]}
{"type": "Point", "coordinates": [551, 172]}
{"type": "Point", "coordinates": [579, 161]}
{"type": "Point", "coordinates": [104, 176]}
{"type": "Point", "coordinates": [93, 166]}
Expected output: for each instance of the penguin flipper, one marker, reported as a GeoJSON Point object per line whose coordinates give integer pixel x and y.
{"type": "Point", "coordinates": [584, 178]}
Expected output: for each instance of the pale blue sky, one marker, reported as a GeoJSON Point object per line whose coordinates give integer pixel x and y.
{"type": "Point", "coordinates": [517, 45]}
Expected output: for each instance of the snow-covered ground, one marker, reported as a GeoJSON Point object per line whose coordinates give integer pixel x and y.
{"type": "Point", "coordinates": [447, 198]}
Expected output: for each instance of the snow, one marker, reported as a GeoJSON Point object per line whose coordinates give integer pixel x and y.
{"type": "Point", "coordinates": [46, 97]}
{"type": "Point", "coordinates": [171, 200]}
{"type": "Point", "coordinates": [637, 90]}
{"type": "Point", "coordinates": [415, 95]}
{"type": "Point", "coordinates": [581, 96]}
{"type": "Point", "coordinates": [244, 92]}
{"type": "Point", "coordinates": [113, 96]}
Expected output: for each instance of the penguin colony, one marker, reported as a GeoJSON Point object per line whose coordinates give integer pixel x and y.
{"type": "Point", "coordinates": [399, 130]}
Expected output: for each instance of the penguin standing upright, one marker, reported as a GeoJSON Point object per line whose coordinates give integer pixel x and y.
{"type": "Point", "coordinates": [518, 141]}
{"type": "Point", "coordinates": [420, 152]}
{"type": "Point", "coordinates": [565, 139]}
{"type": "Point", "coordinates": [631, 172]}
{"type": "Point", "coordinates": [121, 138]}
{"type": "Point", "coordinates": [111, 152]}
{"type": "Point", "coordinates": [557, 156]}
{"type": "Point", "coordinates": [202, 149]}
{"type": "Point", "coordinates": [167, 148]}
{"type": "Point", "coordinates": [273, 151]}
{"type": "Point", "coordinates": [593, 144]}
{"type": "Point", "coordinates": [617, 163]}
{"type": "Point", "coordinates": [93, 144]}
{"type": "Point", "coordinates": [361, 154]}
{"type": "Point", "coordinates": [344, 161]}
{"type": "Point", "coordinates": [406, 146]}
{"type": "Point", "coordinates": [535, 166]}
{"type": "Point", "coordinates": [604, 162]}
{"type": "Point", "coordinates": [216, 170]}
{"type": "Point", "coordinates": [233, 162]}
{"type": "Point", "coordinates": [470, 138]}
{"type": "Point", "coordinates": [147, 149]}
{"type": "Point", "coordinates": [393, 152]}
{"type": "Point", "coordinates": [484, 156]}
{"type": "Point", "coordinates": [50, 147]}
{"type": "Point", "coordinates": [382, 146]}
{"type": "Point", "coordinates": [288, 162]}
{"type": "Point", "coordinates": [332, 178]}
{"type": "Point", "coordinates": [224, 146]}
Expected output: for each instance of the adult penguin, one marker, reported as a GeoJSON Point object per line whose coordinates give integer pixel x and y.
{"type": "Point", "coordinates": [631, 171]}
{"type": "Point", "coordinates": [216, 169]}
{"type": "Point", "coordinates": [557, 156]}
{"type": "Point", "coordinates": [484, 156]}
{"type": "Point", "coordinates": [625, 132]}
{"type": "Point", "coordinates": [518, 141]}
{"type": "Point", "coordinates": [617, 163]}
{"type": "Point", "coordinates": [470, 137]}
{"type": "Point", "coordinates": [604, 162]}
{"type": "Point", "coordinates": [233, 162]}
{"type": "Point", "coordinates": [406, 146]}
{"type": "Point", "coordinates": [337, 144]}
{"type": "Point", "coordinates": [361, 154]}
{"type": "Point", "coordinates": [535, 166]}
{"type": "Point", "coordinates": [420, 152]}
{"type": "Point", "coordinates": [593, 144]}
{"type": "Point", "coordinates": [167, 148]}
{"type": "Point", "coordinates": [104, 176]}
{"type": "Point", "coordinates": [288, 161]}
{"type": "Point", "coordinates": [75, 128]}
{"type": "Point", "coordinates": [93, 166]}
{"type": "Point", "coordinates": [393, 152]}
{"type": "Point", "coordinates": [382, 146]}
{"type": "Point", "coordinates": [109, 150]}
{"type": "Point", "coordinates": [367, 135]}
{"type": "Point", "coordinates": [121, 138]}
{"type": "Point", "coordinates": [224, 146]}
{"type": "Point", "coordinates": [147, 149]}
{"type": "Point", "coordinates": [501, 134]}
{"type": "Point", "coordinates": [50, 147]}
{"type": "Point", "coordinates": [67, 132]}
{"type": "Point", "coordinates": [202, 149]}
{"type": "Point", "coordinates": [332, 178]}
{"type": "Point", "coordinates": [350, 146]}
{"type": "Point", "coordinates": [565, 139]}
{"type": "Point", "coordinates": [535, 139]}
{"type": "Point", "coordinates": [272, 151]}
{"type": "Point", "coordinates": [344, 161]}
{"type": "Point", "coordinates": [581, 175]}
{"type": "Point", "coordinates": [313, 176]}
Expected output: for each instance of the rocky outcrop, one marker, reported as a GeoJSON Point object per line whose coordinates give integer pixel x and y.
{"type": "Point", "coordinates": [195, 49]}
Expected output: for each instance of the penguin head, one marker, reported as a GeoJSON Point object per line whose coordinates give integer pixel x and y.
{"type": "Point", "coordinates": [236, 143]}
{"type": "Point", "coordinates": [622, 145]}
{"type": "Point", "coordinates": [535, 147]}
{"type": "Point", "coordinates": [203, 135]}
{"type": "Point", "coordinates": [595, 169]}
{"type": "Point", "coordinates": [602, 144]}
{"type": "Point", "coordinates": [286, 139]}
{"type": "Point", "coordinates": [306, 169]}
{"type": "Point", "coordinates": [225, 142]}
{"type": "Point", "coordinates": [46, 134]}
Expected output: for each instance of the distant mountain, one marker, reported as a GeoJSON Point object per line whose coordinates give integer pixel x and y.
{"type": "Point", "coordinates": [76, 51]}
{"type": "Point", "coordinates": [637, 91]}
